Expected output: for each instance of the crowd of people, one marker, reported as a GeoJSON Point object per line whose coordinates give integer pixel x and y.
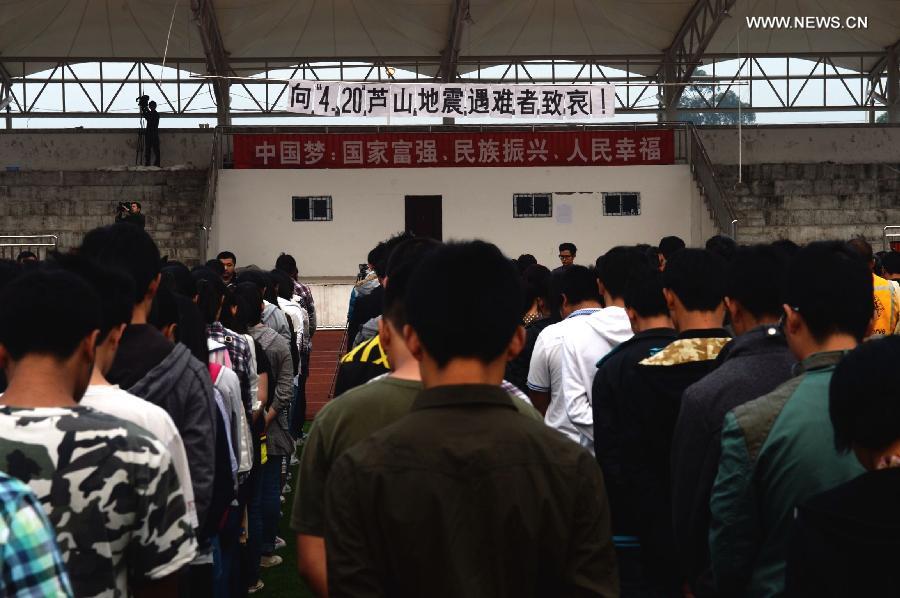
{"type": "Point", "coordinates": [667, 421]}
{"type": "Point", "coordinates": [148, 418]}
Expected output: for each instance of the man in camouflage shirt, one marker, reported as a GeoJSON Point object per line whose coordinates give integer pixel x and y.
{"type": "Point", "coordinates": [108, 486]}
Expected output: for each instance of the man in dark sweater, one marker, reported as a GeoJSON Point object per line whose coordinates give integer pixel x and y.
{"type": "Point", "coordinates": [693, 285]}
{"type": "Point", "coordinates": [646, 308]}
{"type": "Point", "coordinates": [451, 500]}
{"type": "Point", "coordinates": [751, 365]}
{"type": "Point", "coordinates": [846, 539]}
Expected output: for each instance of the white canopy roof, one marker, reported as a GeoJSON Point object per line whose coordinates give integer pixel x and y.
{"type": "Point", "coordinates": [305, 29]}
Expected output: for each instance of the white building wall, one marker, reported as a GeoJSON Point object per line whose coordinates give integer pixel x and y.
{"type": "Point", "coordinates": [253, 211]}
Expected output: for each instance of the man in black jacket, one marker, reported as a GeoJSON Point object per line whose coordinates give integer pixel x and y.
{"type": "Point", "coordinates": [646, 308]}
{"type": "Point", "coordinates": [845, 540]}
{"type": "Point", "coordinates": [693, 285]}
{"type": "Point", "coordinates": [753, 364]}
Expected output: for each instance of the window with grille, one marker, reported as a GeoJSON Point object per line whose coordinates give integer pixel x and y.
{"type": "Point", "coordinates": [621, 204]}
{"type": "Point", "coordinates": [312, 208]}
{"type": "Point", "coordinates": [532, 205]}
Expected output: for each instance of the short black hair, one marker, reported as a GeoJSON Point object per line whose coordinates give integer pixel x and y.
{"type": "Point", "coordinates": [668, 246]}
{"type": "Point", "coordinates": [138, 204]}
{"type": "Point", "coordinates": [31, 320]}
{"type": "Point", "coordinates": [191, 329]}
{"type": "Point", "coordinates": [536, 282]}
{"type": "Point", "coordinates": [615, 267]}
{"type": "Point", "coordinates": [697, 277]}
{"type": "Point", "coordinates": [405, 258]}
{"type": "Point", "coordinates": [786, 246]}
{"type": "Point", "coordinates": [283, 282]}
{"type": "Point", "coordinates": [226, 255]}
{"type": "Point", "coordinates": [578, 284]}
{"type": "Point", "coordinates": [525, 260]}
{"type": "Point", "coordinates": [862, 247]}
{"type": "Point", "coordinates": [181, 278]}
{"type": "Point", "coordinates": [286, 263]}
{"type": "Point", "coordinates": [386, 249]}
{"type": "Point", "coordinates": [26, 255]}
{"type": "Point", "coordinates": [489, 302]}
{"type": "Point", "coordinates": [9, 270]}
{"type": "Point", "coordinates": [723, 246]}
{"type": "Point", "coordinates": [216, 266]}
{"type": "Point", "coordinates": [644, 293]}
{"type": "Point", "coordinates": [891, 262]}
{"type": "Point", "coordinates": [211, 292]}
{"type": "Point", "coordinates": [114, 287]}
{"type": "Point", "coordinates": [754, 279]}
{"type": "Point", "coordinates": [263, 282]}
{"type": "Point", "coordinates": [248, 299]}
{"type": "Point", "coordinates": [128, 248]}
{"type": "Point", "coordinates": [864, 410]}
{"type": "Point", "coordinates": [830, 285]}
{"type": "Point", "coordinates": [568, 247]}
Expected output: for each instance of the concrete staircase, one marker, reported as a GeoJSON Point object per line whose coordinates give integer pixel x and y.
{"type": "Point", "coordinates": [812, 202]}
{"type": "Point", "coordinates": [70, 203]}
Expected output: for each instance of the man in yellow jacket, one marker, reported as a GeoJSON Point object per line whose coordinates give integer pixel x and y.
{"type": "Point", "coordinates": [886, 308]}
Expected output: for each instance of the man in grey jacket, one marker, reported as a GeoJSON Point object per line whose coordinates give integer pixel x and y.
{"type": "Point", "coordinates": [150, 366]}
{"type": "Point", "coordinates": [751, 365]}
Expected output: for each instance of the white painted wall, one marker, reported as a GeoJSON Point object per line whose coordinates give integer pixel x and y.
{"type": "Point", "coordinates": [253, 211]}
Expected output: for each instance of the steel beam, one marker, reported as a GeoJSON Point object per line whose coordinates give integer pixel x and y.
{"type": "Point", "coordinates": [6, 94]}
{"type": "Point", "coordinates": [450, 55]}
{"type": "Point", "coordinates": [686, 50]}
{"type": "Point", "coordinates": [216, 56]}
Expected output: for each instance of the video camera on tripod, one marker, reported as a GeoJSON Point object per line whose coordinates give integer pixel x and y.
{"type": "Point", "coordinates": [142, 102]}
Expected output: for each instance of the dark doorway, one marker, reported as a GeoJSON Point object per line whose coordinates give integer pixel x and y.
{"type": "Point", "coordinates": [423, 216]}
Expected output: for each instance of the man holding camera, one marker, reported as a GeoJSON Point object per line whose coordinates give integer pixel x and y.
{"type": "Point", "coordinates": [151, 131]}
{"type": "Point", "coordinates": [131, 213]}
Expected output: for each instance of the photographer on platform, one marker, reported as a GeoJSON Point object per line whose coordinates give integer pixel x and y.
{"type": "Point", "coordinates": [131, 213]}
{"type": "Point", "coordinates": [151, 132]}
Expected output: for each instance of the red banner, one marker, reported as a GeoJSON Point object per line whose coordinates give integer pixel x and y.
{"type": "Point", "coordinates": [442, 150]}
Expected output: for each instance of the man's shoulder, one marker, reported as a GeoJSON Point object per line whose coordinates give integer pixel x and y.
{"type": "Point", "coordinates": [756, 418]}
{"type": "Point", "coordinates": [684, 351]}
{"type": "Point", "coordinates": [383, 389]}
{"type": "Point", "coordinates": [635, 349]}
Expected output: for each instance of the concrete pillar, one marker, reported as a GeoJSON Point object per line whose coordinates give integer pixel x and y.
{"type": "Point", "coordinates": [893, 85]}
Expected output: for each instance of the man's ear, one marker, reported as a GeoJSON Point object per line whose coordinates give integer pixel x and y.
{"type": "Point", "coordinates": [384, 333]}
{"type": "Point", "coordinates": [413, 343]}
{"type": "Point", "coordinates": [115, 337]}
{"type": "Point", "coordinates": [733, 307]}
{"type": "Point", "coordinates": [153, 287]}
{"type": "Point", "coordinates": [670, 300]}
{"type": "Point", "coordinates": [516, 343]}
{"type": "Point", "coordinates": [168, 331]}
{"type": "Point", "coordinates": [4, 358]}
{"type": "Point", "coordinates": [793, 321]}
{"type": "Point", "coordinates": [89, 345]}
{"type": "Point", "coordinates": [563, 300]}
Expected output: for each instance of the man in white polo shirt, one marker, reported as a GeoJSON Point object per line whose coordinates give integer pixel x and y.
{"type": "Point", "coordinates": [581, 311]}
{"type": "Point", "coordinates": [590, 339]}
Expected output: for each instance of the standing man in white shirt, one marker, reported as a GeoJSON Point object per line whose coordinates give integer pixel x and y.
{"type": "Point", "coordinates": [116, 291]}
{"type": "Point", "coordinates": [590, 339]}
{"type": "Point", "coordinates": [580, 301]}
